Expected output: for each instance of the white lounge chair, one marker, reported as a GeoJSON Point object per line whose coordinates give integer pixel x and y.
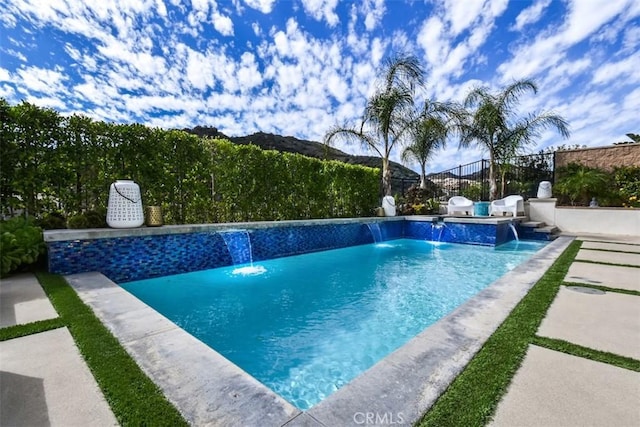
{"type": "Point", "coordinates": [459, 204]}
{"type": "Point", "coordinates": [513, 204]}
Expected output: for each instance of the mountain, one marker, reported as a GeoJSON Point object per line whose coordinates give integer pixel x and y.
{"type": "Point", "coordinates": [290, 144]}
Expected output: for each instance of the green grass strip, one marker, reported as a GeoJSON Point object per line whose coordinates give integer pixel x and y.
{"type": "Point", "coordinates": [133, 397]}
{"type": "Point", "coordinates": [18, 331]}
{"type": "Point", "coordinates": [603, 288]}
{"type": "Point", "coordinates": [608, 263]}
{"type": "Point", "coordinates": [588, 353]}
{"type": "Point", "coordinates": [473, 396]}
{"type": "Point", "coordinates": [616, 251]}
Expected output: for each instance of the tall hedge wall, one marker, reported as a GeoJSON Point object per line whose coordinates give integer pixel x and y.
{"type": "Point", "coordinates": [52, 163]}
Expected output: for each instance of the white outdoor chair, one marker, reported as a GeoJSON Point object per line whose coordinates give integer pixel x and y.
{"type": "Point", "coordinates": [513, 204]}
{"type": "Point", "coordinates": [459, 204]}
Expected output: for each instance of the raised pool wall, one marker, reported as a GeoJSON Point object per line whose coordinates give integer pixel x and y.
{"type": "Point", "coordinates": [140, 253]}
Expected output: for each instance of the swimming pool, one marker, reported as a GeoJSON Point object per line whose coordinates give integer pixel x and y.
{"type": "Point", "coordinates": [308, 324]}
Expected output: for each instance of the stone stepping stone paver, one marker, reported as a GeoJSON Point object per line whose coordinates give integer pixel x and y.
{"type": "Point", "coordinates": [607, 322]}
{"type": "Point", "coordinates": [611, 247]}
{"type": "Point", "coordinates": [608, 257]}
{"type": "Point", "coordinates": [45, 381]}
{"type": "Point", "coordinates": [557, 389]}
{"type": "Point", "coordinates": [22, 300]}
{"type": "Point", "coordinates": [612, 276]}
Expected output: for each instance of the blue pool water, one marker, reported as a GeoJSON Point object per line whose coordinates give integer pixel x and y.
{"type": "Point", "coordinates": [306, 325]}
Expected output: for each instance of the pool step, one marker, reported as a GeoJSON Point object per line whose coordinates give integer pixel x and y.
{"type": "Point", "coordinates": [537, 230]}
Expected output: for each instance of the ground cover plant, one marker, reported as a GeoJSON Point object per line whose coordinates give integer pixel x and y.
{"type": "Point", "coordinates": [20, 244]}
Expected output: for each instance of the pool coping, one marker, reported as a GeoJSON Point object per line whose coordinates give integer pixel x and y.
{"type": "Point", "coordinates": [208, 389]}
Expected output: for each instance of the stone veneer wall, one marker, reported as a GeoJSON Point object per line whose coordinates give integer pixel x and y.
{"type": "Point", "coordinates": [605, 158]}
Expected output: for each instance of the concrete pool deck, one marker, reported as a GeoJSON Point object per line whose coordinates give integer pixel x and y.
{"type": "Point", "coordinates": [403, 385]}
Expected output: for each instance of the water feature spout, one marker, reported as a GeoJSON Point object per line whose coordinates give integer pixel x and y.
{"type": "Point", "coordinates": [436, 230]}
{"type": "Point", "coordinates": [514, 230]}
{"type": "Point", "coordinates": [239, 246]}
{"type": "Point", "coordinates": [374, 228]}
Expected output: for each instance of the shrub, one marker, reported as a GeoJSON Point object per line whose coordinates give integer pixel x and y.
{"type": "Point", "coordinates": [53, 221]}
{"type": "Point", "coordinates": [418, 202]}
{"type": "Point", "coordinates": [96, 219]}
{"type": "Point", "coordinates": [21, 244]}
{"type": "Point", "coordinates": [580, 183]}
{"type": "Point", "coordinates": [77, 221]}
{"type": "Point", "coordinates": [472, 191]}
{"type": "Point", "coordinates": [627, 182]}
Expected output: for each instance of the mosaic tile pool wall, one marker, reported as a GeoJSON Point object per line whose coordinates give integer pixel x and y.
{"type": "Point", "coordinates": [129, 258]}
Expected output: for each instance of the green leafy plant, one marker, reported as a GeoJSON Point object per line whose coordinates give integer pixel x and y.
{"type": "Point", "coordinates": [472, 191]}
{"type": "Point", "coordinates": [627, 181]}
{"type": "Point", "coordinates": [53, 221]}
{"type": "Point", "coordinates": [417, 202]}
{"type": "Point", "coordinates": [580, 183]}
{"type": "Point", "coordinates": [21, 244]}
{"type": "Point", "coordinates": [54, 163]}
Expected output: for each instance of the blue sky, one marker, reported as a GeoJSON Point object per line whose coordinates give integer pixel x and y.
{"type": "Point", "coordinates": [298, 67]}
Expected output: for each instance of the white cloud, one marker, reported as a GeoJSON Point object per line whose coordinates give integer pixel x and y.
{"type": "Point", "coordinates": [531, 15]}
{"type": "Point", "coordinates": [5, 75]}
{"type": "Point", "coordinates": [373, 11]}
{"type": "Point", "coordinates": [248, 74]}
{"type": "Point", "coordinates": [264, 6]}
{"type": "Point", "coordinates": [42, 80]}
{"type": "Point", "coordinates": [256, 29]}
{"type": "Point", "coordinates": [47, 102]}
{"type": "Point", "coordinates": [627, 70]}
{"type": "Point", "coordinates": [548, 49]}
{"type": "Point", "coordinates": [16, 54]}
{"type": "Point", "coordinates": [222, 24]}
{"type": "Point", "coordinates": [7, 92]}
{"type": "Point", "coordinates": [631, 41]}
{"type": "Point", "coordinates": [322, 9]}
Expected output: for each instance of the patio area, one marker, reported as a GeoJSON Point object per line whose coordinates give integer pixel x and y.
{"type": "Point", "coordinates": [46, 382]}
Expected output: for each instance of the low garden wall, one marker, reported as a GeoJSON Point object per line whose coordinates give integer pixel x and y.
{"type": "Point", "coordinates": [616, 221]}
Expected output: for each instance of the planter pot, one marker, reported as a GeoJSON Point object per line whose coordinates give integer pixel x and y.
{"type": "Point", "coordinates": [153, 214]}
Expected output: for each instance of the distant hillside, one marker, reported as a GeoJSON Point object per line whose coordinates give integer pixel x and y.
{"type": "Point", "coordinates": [289, 144]}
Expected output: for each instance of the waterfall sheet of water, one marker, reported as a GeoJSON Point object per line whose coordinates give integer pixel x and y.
{"type": "Point", "coordinates": [515, 232]}
{"type": "Point", "coordinates": [374, 228]}
{"type": "Point", "coordinates": [239, 246]}
{"type": "Point", "coordinates": [436, 230]}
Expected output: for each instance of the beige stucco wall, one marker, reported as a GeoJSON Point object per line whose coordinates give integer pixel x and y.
{"type": "Point", "coordinates": [601, 157]}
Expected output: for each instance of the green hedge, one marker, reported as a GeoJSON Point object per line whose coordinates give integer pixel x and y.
{"type": "Point", "coordinates": [63, 166]}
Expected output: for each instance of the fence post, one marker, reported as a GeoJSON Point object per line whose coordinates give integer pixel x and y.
{"type": "Point", "coordinates": [459, 179]}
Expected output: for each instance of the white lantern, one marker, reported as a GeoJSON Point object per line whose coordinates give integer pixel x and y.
{"type": "Point", "coordinates": [125, 205]}
{"type": "Point", "coordinates": [389, 206]}
{"type": "Point", "coordinates": [544, 190]}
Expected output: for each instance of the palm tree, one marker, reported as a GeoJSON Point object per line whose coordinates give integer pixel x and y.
{"type": "Point", "coordinates": [388, 113]}
{"type": "Point", "coordinates": [494, 125]}
{"type": "Point", "coordinates": [429, 133]}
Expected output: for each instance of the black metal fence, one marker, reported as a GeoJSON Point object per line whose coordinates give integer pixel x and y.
{"type": "Point", "coordinates": [521, 175]}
